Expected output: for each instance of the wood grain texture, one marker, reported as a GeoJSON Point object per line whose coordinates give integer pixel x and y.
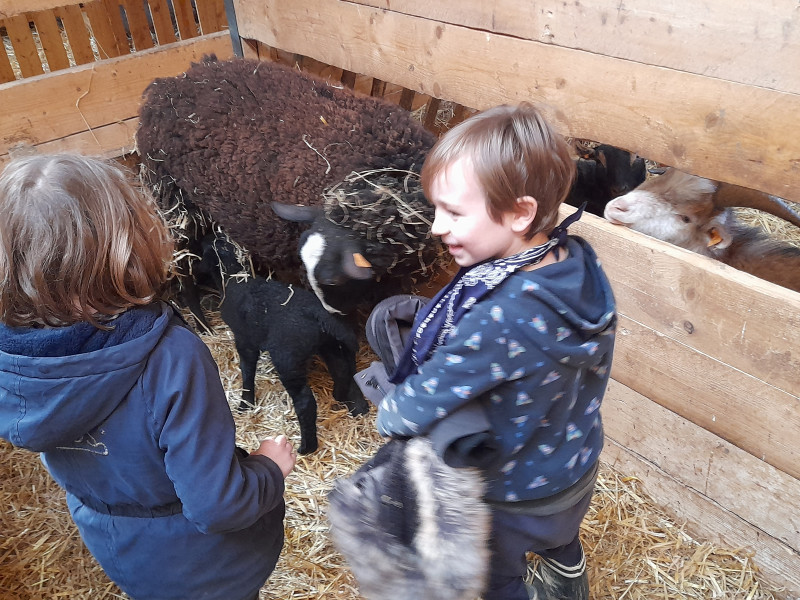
{"type": "Point", "coordinates": [51, 40]}
{"type": "Point", "coordinates": [728, 315]}
{"type": "Point", "coordinates": [77, 34]}
{"type": "Point", "coordinates": [710, 393]}
{"type": "Point", "coordinates": [725, 39]}
{"type": "Point", "coordinates": [722, 130]}
{"type": "Point", "coordinates": [25, 51]}
{"type": "Point", "coordinates": [84, 98]}
{"type": "Point", "coordinates": [721, 495]}
{"type": "Point", "coordinates": [10, 8]}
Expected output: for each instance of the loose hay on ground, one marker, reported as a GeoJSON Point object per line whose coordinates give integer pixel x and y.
{"type": "Point", "coordinates": [634, 550]}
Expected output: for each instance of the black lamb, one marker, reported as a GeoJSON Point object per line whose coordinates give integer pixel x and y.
{"type": "Point", "coordinates": [290, 324]}
{"type": "Point", "coordinates": [226, 139]}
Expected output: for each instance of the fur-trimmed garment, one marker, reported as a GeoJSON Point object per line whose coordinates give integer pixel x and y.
{"type": "Point", "coordinates": [410, 526]}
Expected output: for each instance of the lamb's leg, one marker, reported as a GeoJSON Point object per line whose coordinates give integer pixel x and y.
{"type": "Point", "coordinates": [248, 360]}
{"type": "Point", "coordinates": [189, 296]}
{"type": "Point", "coordinates": [341, 365]}
{"type": "Point", "coordinates": [293, 376]}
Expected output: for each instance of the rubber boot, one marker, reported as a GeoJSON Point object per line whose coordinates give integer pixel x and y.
{"type": "Point", "coordinates": [554, 581]}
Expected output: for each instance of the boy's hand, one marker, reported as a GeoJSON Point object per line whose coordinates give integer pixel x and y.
{"type": "Point", "coordinates": [281, 452]}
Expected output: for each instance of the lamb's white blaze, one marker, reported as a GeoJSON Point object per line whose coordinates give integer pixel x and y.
{"type": "Point", "coordinates": [311, 252]}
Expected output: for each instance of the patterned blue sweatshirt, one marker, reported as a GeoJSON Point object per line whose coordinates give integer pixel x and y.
{"type": "Point", "coordinates": [536, 354]}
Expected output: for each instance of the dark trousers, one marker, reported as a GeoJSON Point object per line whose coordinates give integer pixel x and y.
{"type": "Point", "coordinates": [553, 537]}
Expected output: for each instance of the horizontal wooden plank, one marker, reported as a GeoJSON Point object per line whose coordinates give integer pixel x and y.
{"type": "Point", "coordinates": [109, 141]}
{"type": "Point", "coordinates": [721, 312]}
{"type": "Point", "coordinates": [727, 39]}
{"type": "Point", "coordinates": [10, 8]}
{"type": "Point", "coordinates": [710, 393]}
{"type": "Point", "coordinates": [696, 492]}
{"type": "Point", "coordinates": [755, 491]}
{"type": "Point", "coordinates": [711, 127]}
{"type": "Point", "coordinates": [57, 105]}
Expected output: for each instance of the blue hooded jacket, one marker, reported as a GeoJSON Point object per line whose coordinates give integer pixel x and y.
{"type": "Point", "coordinates": [536, 354]}
{"type": "Point", "coordinates": [134, 425]}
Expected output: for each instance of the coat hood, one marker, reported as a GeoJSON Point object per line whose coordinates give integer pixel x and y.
{"type": "Point", "coordinates": [577, 307]}
{"type": "Point", "coordinates": [57, 384]}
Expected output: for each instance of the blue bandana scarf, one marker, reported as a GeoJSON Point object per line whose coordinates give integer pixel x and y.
{"type": "Point", "coordinates": [437, 319]}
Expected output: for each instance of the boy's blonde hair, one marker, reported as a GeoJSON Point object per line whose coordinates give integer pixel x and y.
{"type": "Point", "coordinates": [514, 153]}
{"type": "Point", "coordinates": [78, 242]}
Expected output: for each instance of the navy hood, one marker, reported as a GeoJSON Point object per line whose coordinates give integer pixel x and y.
{"type": "Point", "coordinates": [56, 384]}
{"type": "Point", "coordinates": [577, 307]}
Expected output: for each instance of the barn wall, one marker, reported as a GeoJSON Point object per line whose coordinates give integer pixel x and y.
{"type": "Point", "coordinates": [704, 405]}
{"type": "Point", "coordinates": [72, 73]}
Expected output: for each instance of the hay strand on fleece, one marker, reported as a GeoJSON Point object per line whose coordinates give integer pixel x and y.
{"type": "Point", "coordinates": [634, 550]}
{"type": "Point", "coordinates": [387, 206]}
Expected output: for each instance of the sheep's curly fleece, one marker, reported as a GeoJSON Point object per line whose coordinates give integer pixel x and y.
{"type": "Point", "coordinates": [228, 137]}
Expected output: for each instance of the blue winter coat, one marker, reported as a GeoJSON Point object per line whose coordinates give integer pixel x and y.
{"type": "Point", "coordinates": [135, 426]}
{"type": "Point", "coordinates": [536, 354]}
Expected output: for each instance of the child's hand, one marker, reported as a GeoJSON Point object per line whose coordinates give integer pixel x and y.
{"type": "Point", "coordinates": [281, 452]}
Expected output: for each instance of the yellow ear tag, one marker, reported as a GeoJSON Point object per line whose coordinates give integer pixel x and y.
{"type": "Point", "coordinates": [361, 261]}
{"type": "Point", "coordinates": [714, 237]}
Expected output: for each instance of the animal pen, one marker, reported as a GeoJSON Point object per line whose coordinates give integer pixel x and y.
{"type": "Point", "coordinates": [702, 415]}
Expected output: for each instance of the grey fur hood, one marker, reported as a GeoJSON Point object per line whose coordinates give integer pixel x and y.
{"type": "Point", "coordinates": [410, 526]}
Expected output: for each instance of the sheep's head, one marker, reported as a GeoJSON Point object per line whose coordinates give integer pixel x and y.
{"type": "Point", "coordinates": [373, 224]}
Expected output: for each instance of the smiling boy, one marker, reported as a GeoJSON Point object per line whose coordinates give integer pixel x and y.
{"type": "Point", "coordinates": [526, 331]}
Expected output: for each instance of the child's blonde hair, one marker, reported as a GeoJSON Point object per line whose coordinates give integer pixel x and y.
{"type": "Point", "coordinates": [78, 242]}
{"type": "Point", "coordinates": [514, 153]}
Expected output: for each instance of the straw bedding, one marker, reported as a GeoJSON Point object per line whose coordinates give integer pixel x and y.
{"type": "Point", "coordinates": [635, 551]}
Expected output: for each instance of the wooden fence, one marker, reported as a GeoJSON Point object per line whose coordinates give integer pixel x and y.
{"type": "Point", "coordinates": [74, 71]}
{"type": "Point", "coordinates": [52, 35]}
{"type": "Point", "coordinates": [704, 405]}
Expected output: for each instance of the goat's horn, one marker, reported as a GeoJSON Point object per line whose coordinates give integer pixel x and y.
{"type": "Point", "coordinates": [734, 195]}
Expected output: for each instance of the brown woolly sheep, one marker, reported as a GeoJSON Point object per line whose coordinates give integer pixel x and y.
{"type": "Point", "coordinates": [226, 139]}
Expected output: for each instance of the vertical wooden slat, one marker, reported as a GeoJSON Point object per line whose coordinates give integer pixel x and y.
{"type": "Point", "coordinates": [100, 24]}
{"type": "Point", "coordinates": [460, 113]}
{"type": "Point", "coordinates": [378, 88]}
{"type": "Point", "coordinates": [165, 33]}
{"type": "Point", "coordinates": [250, 48]}
{"type": "Point", "coordinates": [349, 79]}
{"type": "Point", "coordinates": [211, 14]}
{"type": "Point", "coordinates": [137, 24]}
{"type": "Point", "coordinates": [406, 99]}
{"type": "Point", "coordinates": [184, 15]}
{"type": "Point", "coordinates": [25, 50]}
{"type": "Point", "coordinates": [51, 40]}
{"type": "Point", "coordinates": [115, 17]}
{"type": "Point", "coordinates": [78, 35]}
{"type": "Point", "coordinates": [430, 115]}
{"type": "Point", "coordinates": [6, 71]}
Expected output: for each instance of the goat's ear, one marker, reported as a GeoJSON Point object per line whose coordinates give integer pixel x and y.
{"type": "Point", "coordinates": [296, 213]}
{"type": "Point", "coordinates": [356, 266]}
{"type": "Point", "coordinates": [718, 234]}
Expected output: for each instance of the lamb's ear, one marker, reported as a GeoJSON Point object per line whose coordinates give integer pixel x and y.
{"type": "Point", "coordinates": [718, 233]}
{"type": "Point", "coordinates": [296, 213]}
{"type": "Point", "coordinates": [356, 266]}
